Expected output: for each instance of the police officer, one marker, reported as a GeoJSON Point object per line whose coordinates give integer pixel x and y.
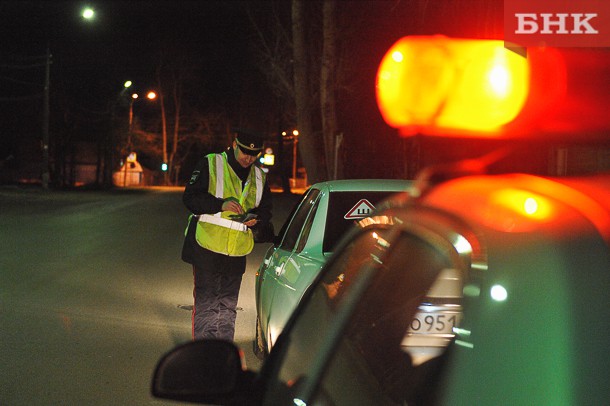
{"type": "Point", "coordinates": [222, 190]}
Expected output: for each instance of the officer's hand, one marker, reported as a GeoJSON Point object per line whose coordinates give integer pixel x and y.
{"type": "Point", "coordinates": [232, 205]}
{"type": "Point", "coordinates": [251, 223]}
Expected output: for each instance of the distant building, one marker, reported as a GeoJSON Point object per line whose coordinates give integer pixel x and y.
{"type": "Point", "coordinates": [130, 174]}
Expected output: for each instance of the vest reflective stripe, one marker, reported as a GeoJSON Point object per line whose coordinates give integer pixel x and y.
{"type": "Point", "coordinates": [223, 222]}
{"type": "Point", "coordinates": [220, 174]}
{"type": "Point", "coordinates": [219, 178]}
{"type": "Point", "coordinates": [259, 184]}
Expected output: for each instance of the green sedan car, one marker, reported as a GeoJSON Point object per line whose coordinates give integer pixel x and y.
{"type": "Point", "coordinates": [307, 239]}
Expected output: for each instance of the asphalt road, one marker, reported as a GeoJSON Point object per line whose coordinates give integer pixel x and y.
{"type": "Point", "coordinates": [93, 293]}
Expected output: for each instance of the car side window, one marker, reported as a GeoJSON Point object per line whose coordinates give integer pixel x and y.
{"type": "Point", "coordinates": [298, 220]}
{"type": "Point", "coordinates": [307, 227]}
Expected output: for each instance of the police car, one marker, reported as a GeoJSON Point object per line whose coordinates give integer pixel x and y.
{"type": "Point", "coordinates": [474, 288]}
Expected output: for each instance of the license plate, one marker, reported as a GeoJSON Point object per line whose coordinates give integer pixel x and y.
{"type": "Point", "coordinates": [432, 322]}
{"type": "Point", "coordinates": [431, 331]}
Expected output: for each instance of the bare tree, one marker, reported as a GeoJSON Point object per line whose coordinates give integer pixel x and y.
{"type": "Point", "coordinates": [328, 81]}
{"type": "Point", "coordinates": [273, 50]}
{"type": "Point", "coordinates": [174, 69]}
{"type": "Point", "coordinates": [163, 119]}
{"type": "Point", "coordinates": [307, 136]}
{"type": "Point", "coordinates": [302, 70]}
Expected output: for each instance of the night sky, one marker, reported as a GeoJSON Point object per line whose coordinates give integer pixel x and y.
{"type": "Point", "coordinates": [122, 41]}
{"type": "Point", "coordinates": [92, 59]}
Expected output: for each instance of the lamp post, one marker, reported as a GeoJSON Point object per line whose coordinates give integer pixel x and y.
{"type": "Point", "coordinates": [294, 137]}
{"type": "Point", "coordinates": [134, 97]}
{"type": "Point", "coordinates": [45, 121]}
{"type": "Point", "coordinates": [295, 140]}
{"type": "Point", "coordinates": [150, 96]}
{"type": "Point", "coordinates": [87, 14]}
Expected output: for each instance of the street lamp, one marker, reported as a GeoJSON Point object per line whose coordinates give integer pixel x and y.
{"type": "Point", "coordinates": [134, 97]}
{"type": "Point", "coordinates": [88, 13]}
{"type": "Point", "coordinates": [151, 95]}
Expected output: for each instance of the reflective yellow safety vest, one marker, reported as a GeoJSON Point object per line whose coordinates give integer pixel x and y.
{"type": "Point", "coordinates": [217, 232]}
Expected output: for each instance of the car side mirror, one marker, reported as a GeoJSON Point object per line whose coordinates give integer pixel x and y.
{"type": "Point", "coordinates": [204, 371]}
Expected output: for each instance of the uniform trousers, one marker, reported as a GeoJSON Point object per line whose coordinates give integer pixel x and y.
{"type": "Point", "coordinates": [217, 283]}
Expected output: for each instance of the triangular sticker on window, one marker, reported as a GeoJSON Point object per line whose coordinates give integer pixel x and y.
{"type": "Point", "coordinates": [362, 209]}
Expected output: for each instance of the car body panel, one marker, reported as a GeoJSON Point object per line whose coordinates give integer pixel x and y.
{"type": "Point", "coordinates": [306, 243]}
{"type": "Point", "coordinates": [289, 278]}
{"type": "Point", "coordinates": [554, 264]}
{"type": "Point", "coordinates": [535, 316]}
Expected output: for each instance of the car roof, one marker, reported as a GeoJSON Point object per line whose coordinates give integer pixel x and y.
{"type": "Point", "coordinates": [347, 185]}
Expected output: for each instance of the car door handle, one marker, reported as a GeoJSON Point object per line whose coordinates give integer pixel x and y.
{"type": "Point", "coordinates": [278, 270]}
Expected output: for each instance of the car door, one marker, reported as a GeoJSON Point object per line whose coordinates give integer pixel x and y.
{"type": "Point", "coordinates": [275, 264]}
{"type": "Point", "coordinates": [295, 273]}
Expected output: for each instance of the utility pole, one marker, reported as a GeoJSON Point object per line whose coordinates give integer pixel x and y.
{"type": "Point", "coordinates": [45, 122]}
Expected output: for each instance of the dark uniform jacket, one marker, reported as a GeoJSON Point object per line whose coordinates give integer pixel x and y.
{"type": "Point", "coordinates": [198, 201]}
